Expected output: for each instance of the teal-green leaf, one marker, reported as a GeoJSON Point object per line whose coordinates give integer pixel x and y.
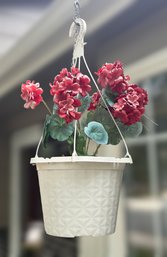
{"type": "Point", "coordinates": [61, 132]}
{"type": "Point", "coordinates": [102, 116]}
{"type": "Point", "coordinates": [109, 96]}
{"type": "Point", "coordinates": [85, 102]}
{"type": "Point", "coordinates": [81, 144]}
{"type": "Point", "coordinates": [46, 130]}
{"type": "Point", "coordinates": [96, 132]}
{"type": "Point", "coordinates": [133, 130]}
{"type": "Point", "coordinates": [55, 108]}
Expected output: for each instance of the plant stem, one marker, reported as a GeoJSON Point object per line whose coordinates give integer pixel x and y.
{"type": "Point", "coordinates": [45, 104]}
{"type": "Point", "coordinates": [87, 145]}
{"type": "Point", "coordinates": [96, 150]}
{"type": "Point", "coordinates": [79, 127]}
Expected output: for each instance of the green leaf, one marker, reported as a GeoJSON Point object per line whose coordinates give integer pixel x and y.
{"type": "Point", "coordinates": [109, 96]}
{"type": "Point", "coordinates": [102, 116]}
{"type": "Point", "coordinates": [133, 130]}
{"type": "Point", "coordinates": [56, 128]}
{"type": "Point", "coordinates": [60, 130]}
{"type": "Point", "coordinates": [46, 130]}
{"type": "Point", "coordinates": [55, 108]}
{"type": "Point", "coordinates": [114, 136]}
{"type": "Point", "coordinates": [96, 132]}
{"type": "Point", "coordinates": [85, 102]}
{"type": "Point", "coordinates": [81, 144]}
{"type": "Point", "coordinates": [70, 142]}
{"type": "Point", "coordinates": [90, 117]}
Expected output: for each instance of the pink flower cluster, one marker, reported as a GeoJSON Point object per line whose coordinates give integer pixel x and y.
{"type": "Point", "coordinates": [94, 101]}
{"type": "Point", "coordinates": [111, 75]}
{"type": "Point", "coordinates": [31, 94]}
{"type": "Point", "coordinates": [65, 89]}
{"type": "Point", "coordinates": [130, 107]}
{"type": "Point", "coordinates": [69, 87]}
{"type": "Point", "coordinates": [130, 100]}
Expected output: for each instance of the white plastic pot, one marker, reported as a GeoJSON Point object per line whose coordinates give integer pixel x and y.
{"type": "Point", "coordinates": [79, 194]}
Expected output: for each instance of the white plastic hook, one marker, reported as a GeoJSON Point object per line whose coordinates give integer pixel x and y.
{"type": "Point", "coordinates": [77, 31]}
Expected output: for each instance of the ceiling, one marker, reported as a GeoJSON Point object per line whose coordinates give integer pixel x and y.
{"type": "Point", "coordinates": [34, 41]}
{"type": "Point", "coordinates": [17, 18]}
{"type": "Point", "coordinates": [34, 33]}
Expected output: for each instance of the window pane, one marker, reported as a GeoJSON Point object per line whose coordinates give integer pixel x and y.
{"type": "Point", "coordinates": [157, 91]}
{"type": "Point", "coordinates": [162, 166]}
{"type": "Point", "coordinates": [140, 252]}
{"type": "Point", "coordinates": [136, 175]}
{"type": "Point", "coordinates": [160, 99]}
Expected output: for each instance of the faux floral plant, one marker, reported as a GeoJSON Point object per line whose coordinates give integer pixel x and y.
{"type": "Point", "coordinates": [73, 101]}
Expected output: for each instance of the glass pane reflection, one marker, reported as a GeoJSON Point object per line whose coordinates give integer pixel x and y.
{"type": "Point", "coordinates": [136, 175]}
{"type": "Point", "coordinates": [157, 90]}
{"type": "Point", "coordinates": [162, 166]}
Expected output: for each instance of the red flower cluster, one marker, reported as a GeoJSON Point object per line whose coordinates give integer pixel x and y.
{"type": "Point", "coordinates": [130, 100]}
{"type": "Point", "coordinates": [31, 93]}
{"type": "Point", "coordinates": [130, 106]}
{"type": "Point", "coordinates": [95, 101]}
{"type": "Point", "coordinates": [65, 89]}
{"type": "Point", "coordinates": [69, 87]}
{"type": "Point", "coordinates": [111, 75]}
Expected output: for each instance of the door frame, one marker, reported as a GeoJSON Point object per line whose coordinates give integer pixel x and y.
{"type": "Point", "coordinates": [21, 139]}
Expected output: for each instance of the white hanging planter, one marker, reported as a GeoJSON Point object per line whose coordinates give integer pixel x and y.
{"type": "Point", "coordinates": [80, 194]}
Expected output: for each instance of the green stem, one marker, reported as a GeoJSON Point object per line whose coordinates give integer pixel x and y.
{"type": "Point", "coordinates": [45, 104]}
{"type": "Point", "coordinates": [79, 127]}
{"type": "Point", "coordinates": [87, 145]}
{"type": "Point", "coordinates": [96, 150]}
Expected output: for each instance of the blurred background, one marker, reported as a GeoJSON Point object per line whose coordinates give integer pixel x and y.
{"type": "Point", "coordinates": [34, 44]}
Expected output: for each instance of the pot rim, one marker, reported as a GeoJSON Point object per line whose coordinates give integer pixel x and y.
{"type": "Point", "coordinates": [84, 159]}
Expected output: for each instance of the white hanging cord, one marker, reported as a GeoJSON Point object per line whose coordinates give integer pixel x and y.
{"type": "Point", "coordinates": [40, 141]}
{"type": "Point", "coordinates": [75, 123]}
{"type": "Point", "coordinates": [36, 154]}
{"type": "Point", "coordinates": [75, 139]}
{"type": "Point", "coordinates": [79, 63]}
{"type": "Point", "coordinates": [123, 139]}
{"type": "Point", "coordinates": [150, 120]}
{"type": "Point", "coordinates": [77, 31]}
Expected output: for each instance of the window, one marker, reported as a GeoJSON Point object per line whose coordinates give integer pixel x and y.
{"type": "Point", "coordinates": [147, 178]}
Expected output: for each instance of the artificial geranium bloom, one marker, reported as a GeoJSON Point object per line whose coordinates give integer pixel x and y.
{"type": "Point", "coordinates": [71, 98]}
{"type": "Point", "coordinates": [140, 92]}
{"type": "Point", "coordinates": [74, 70]}
{"type": "Point", "coordinates": [71, 87]}
{"type": "Point", "coordinates": [111, 75]}
{"type": "Point", "coordinates": [121, 115]}
{"type": "Point", "coordinates": [31, 93]}
{"type": "Point", "coordinates": [103, 74]}
{"type": "Point", "coordinates": [73, 82]}
{"type": "Point", "coordinates": [66, 88]}
{"type": "Point", "coordinates": [84, 82]}
{"type": "Point", "coordinates": [130, 107]}
{"type": "Point", "coordinates": [120, 104]}
{"type": "Point", "coordinates": [60, 96]}
{"type": "Point", "coordinates": [67, 109]}
{"type": "Point", "coordinates": [63, 73]}
{"type": "Point", "coordinates": [56, 87]}
{"type": "Point", "coordinates": [95, 101]}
